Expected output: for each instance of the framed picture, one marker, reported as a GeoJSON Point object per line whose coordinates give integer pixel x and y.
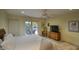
{"type": "Point", "coordinates": [73, 26]}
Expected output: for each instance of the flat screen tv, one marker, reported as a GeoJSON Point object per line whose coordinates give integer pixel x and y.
{"type": "Point", "coordinates": [54, 28]}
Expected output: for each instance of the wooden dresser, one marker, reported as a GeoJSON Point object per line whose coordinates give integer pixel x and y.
{"type": "Point", "coordinates": [54, 35]}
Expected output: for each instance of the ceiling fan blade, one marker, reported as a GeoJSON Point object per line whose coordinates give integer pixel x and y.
{"type": "Point", "coordinates": [45, 15]}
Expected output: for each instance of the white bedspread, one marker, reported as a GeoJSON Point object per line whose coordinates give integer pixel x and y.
{"type": "Point", "coordinates": [30, 42]}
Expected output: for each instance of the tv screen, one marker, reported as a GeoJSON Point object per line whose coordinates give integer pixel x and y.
{"type": "Point", "coordinates": [54, 28]}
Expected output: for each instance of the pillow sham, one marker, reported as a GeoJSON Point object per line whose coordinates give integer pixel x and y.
{"type": "Point", "coordinates": [9, 42]}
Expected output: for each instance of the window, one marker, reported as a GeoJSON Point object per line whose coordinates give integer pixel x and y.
{"type": "Point", "coordinates": [31, 27]}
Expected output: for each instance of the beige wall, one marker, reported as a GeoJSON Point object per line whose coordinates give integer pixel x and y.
{"type": "Point", "coordinates": [3, 20]}
{"type": "Point", "coordinates": [62, 21]}
{"type": "Point", "coordinates": [16, 25]}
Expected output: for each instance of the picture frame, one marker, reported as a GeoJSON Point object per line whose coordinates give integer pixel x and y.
{"type": "Point", "coordinates": [73, 26]}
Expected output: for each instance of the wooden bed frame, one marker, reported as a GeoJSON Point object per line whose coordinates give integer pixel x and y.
{"type": "Point", "coordinates": [2, 33]}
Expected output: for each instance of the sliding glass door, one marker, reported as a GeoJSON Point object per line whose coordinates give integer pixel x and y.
{"type": "Point", "coordinates": [34, 28]}
{"type": "Point", "coordinates": [31, 27]}
{"type": "Point", "coordinates": [28, 28]}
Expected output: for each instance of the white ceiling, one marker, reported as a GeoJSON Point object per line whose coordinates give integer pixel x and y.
{"type": "Point", "coordinates": [39, 12]}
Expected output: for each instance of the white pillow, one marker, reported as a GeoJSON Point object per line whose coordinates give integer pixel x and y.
{"type": "Point", "coordinates": [9, 42]}
{"type": "Point", "coordinates": [7, 36]}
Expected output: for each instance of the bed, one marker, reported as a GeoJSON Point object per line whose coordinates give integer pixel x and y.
{"type": "Point", "coordinates": [29, 42]}
{"type": "Point", "coordinates": [32, 42]}
{"type": "Point", "coordinates": [25, 42]}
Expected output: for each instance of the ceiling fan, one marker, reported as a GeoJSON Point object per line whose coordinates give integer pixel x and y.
{"type": "Point", "coordinates": [45, 14]}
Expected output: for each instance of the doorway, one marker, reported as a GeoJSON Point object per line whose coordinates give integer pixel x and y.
{"type": "Point", "coordinates": [31, 28]}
